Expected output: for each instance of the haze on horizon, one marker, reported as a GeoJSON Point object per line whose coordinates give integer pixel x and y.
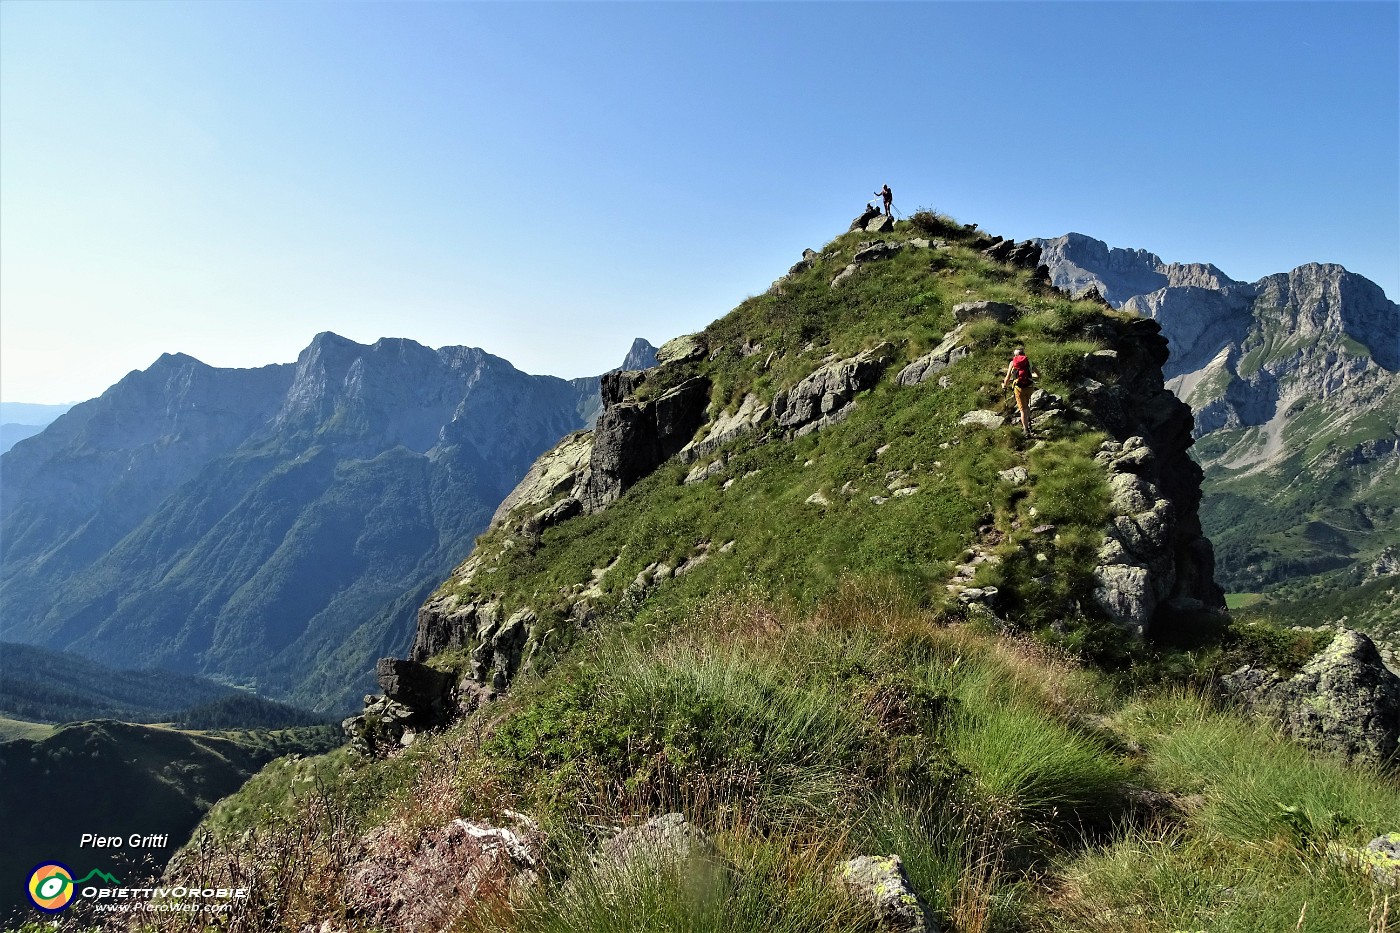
{"type": "Point", "coordinates": [549, 181]}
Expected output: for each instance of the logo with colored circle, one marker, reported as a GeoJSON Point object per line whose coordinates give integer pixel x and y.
{"type": "Point", "coordinates": [51, 886]}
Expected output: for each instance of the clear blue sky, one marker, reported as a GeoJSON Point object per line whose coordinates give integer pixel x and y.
{"type": "Point", "coordinates": [549, 181]}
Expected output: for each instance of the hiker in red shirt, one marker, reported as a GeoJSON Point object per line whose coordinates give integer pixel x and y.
{"type": "Point", "coordinates": [887, 196]}
{"type": "Point", "coordinates": [1019, 370]}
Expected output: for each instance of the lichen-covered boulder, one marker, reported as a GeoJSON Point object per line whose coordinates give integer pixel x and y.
{"type": "Point", "coordinates": [982, 418]}
{"type": "Point", "coordinates": [1345, 700]}
{"type": "Point", "coordinates": [880, 881]}
{"type": "Point", "coordinates": [882, 224]}
{"type": "Point", "coordinates": [1380, 858]}
{"type": "Point", "coordinates": [682, 349]}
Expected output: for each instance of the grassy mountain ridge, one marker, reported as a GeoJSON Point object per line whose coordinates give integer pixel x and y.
{"type": "Point", "coordinates": [901, 488]}
{"type": "Point", "coordinates": [760, 634]}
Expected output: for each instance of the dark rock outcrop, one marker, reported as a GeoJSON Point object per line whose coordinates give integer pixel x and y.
{"type": "Point", "coordinates": [423, 689]}
{"type": "Point", "coordinates": [869, 214]}
{"type": "Point", "coordinates": [416, 697]}
{"type": "Point", "coordinates": [1344, 701]}
{"type": "Point", "coordinates": [633, 438]}
{"type": "Point", "coordinates": [1025, 255]}
{"type": "Point", "coordinates": [1154, 558]}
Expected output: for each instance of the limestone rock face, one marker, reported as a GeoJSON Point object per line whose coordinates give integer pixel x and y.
{"type": "Point", "coordinates": [556, 471]}
{"type": "Point", "coordinates": [1344, 701]}
{"type": "Point", "coordinates": [751, 414]}
{"type": "Point", "coordinates": [825, 396]}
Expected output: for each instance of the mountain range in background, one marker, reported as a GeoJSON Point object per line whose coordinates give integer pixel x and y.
{"type": "Point", "coordinates": [19, 420]}
{"type": "Point", "coordinates": [273, 528]}
{"type": "Point", "coordinates": [1295, 384]}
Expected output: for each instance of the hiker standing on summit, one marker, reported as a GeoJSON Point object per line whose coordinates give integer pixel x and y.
{"type": "Point", "coordinates": [887, 196]}
{"type": "Point", "coordinates": [1020, 370]}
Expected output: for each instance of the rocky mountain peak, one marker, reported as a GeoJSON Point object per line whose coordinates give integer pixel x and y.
{"type": "Point", "coordinates": [1322, 299]}
{"type": "Point", "coordinates": [642, 355]}
{"type": "Point", "coordinates": [267, 524]}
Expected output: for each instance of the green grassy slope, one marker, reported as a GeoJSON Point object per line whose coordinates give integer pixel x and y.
{"type": "Point", "coordinates": [1024, 790]}
{"type": "Point", "coordinates": [1308, 531]}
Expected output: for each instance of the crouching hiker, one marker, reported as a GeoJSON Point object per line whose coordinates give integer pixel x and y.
{"type": "Point", "coordinates": [1020, 372]}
